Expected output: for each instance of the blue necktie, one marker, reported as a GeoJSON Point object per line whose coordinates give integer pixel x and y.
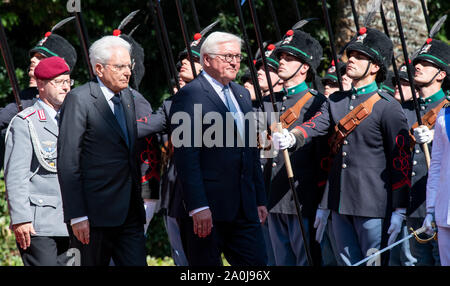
{"type": "Point", "coordinates": [120, 116]}
{"type": "Point", "coordinates": [232, 108]}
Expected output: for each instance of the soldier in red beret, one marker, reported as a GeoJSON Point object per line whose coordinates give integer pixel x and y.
{"type": "Point", "coordinates": [32, 186]}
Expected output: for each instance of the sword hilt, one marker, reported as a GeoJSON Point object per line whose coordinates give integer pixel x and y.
{"type": "Point", "coordinates": [421, 230]}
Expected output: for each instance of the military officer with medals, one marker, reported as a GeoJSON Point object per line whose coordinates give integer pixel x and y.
{"type": "Point", "coordinates": [369, 180]}
{"type": "Point", "coordinates": [32, 186]}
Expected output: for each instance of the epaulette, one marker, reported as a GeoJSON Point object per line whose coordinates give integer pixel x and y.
{"type": "Point", "coordinates": [384, 95]}
{"type": "Point", "coordinates": [26, 112]}
{"type": "Point", "coordinates": [313, 91]}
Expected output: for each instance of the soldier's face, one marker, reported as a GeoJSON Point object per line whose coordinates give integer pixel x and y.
{"type": "Point", "coordinates": [425, 71]}
{"type": "Point", "coordinates": [288, 65]}
{"type": "Point", "coordinates": [186, 71]}
{"type": "Point", "coordinates": [406, 90]}
{"type": "Point", "coordinates": [218, 67]}
{"type": "Point", "coordinates": [262, 78]}
{"type": "Point", "coordinates": [116, 73]}
{"type": "Point", "coordinates": [35, 59]}
{"type": "Point", "coordinates": [357, 65]}
{"type": "Point", "coordinates": [54, 91]}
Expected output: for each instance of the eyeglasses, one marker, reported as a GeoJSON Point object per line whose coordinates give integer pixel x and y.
{"type": "Point", "coordinates": [62, 82]}
{"type": "Point", "coordinates": [120, 68]}
{"type": "Point", "coordinates": [229, 57]}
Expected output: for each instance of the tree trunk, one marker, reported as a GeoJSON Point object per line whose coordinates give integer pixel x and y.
{"type": "Point", "coordinates": [411, 15]}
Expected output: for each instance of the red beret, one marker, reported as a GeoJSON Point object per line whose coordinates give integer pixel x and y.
{"type": "Point", "coordinates": [50, 68]}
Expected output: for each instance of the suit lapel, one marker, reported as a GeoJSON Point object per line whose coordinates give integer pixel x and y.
{"type": "Point", "coordinates": [212, 95]}
{"type": "Point", "coordinates": [104, 109]}
{"type": "Point", "coordinates": [240, 98]}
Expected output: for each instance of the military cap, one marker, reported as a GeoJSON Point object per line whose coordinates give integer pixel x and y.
{"type": "Point", "coordinates": [272, 60]}
{"type": "Point", "coordinates": [437, 53]}
{"type": "Point", "coordinates": [53, 45]}
{"type": "Point", "coordinates": [302, 46]}
{"type": "Point", "coordinates": [331, 72]}
{"type": "Point", "coordinates": [375, 45]}
{"type": "Point", "coordinates": [51, 67]}
{"type": "Point", "coordinates": [402, 74]}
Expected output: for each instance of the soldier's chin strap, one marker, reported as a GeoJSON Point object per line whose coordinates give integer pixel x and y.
{"type": "Point", "coordinates": [432, 79]}
{"type": "Point", "coordinates": [365, 73]}
{"type": "Point", "coordinates": [294, 72]}
{"type": "Point", "coordinates": [273, 85]}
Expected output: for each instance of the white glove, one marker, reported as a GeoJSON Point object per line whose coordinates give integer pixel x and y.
{"type": "Point", "coordinates": [263, 140]}
{"type": "Point", "coordinates": [283, 140]}
{"type": "Point", "coordinates": [427, 223]}
{"type": "Point", "coordinates": [396, 224]}
{"type": "Point", "coordinates": [320, 223]}
{"type": "Point", "coordinates": [149, 206]}
{"type": "Point", "coordinates": [423, 134]}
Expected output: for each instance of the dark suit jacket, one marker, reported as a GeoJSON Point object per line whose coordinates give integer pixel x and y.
{"type": "Point", "coordinates": [97, 171]}
{"type": "Point", "coordinates": [223, 178]}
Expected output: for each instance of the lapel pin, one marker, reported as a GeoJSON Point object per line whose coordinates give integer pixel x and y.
{"type": "Point", "coordinates": [240, 95]}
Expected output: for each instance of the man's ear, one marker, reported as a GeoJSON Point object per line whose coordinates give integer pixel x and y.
{"type": "Point", "coordinates": [99, 68]}
{"type": "Point", "coordinates": [441, 75]}
{"type": "Point", "coordinates": [374, 68]}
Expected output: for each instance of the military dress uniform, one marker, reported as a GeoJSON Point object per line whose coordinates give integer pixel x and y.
{"type": "Point", "coordinates": [426, 254]}
{"type": "Point", "coordinates": [32, 186]}
{"type": "Point", "coordinates": [287, 241]}
{"type": "Point", "coordinates": [369, 175]}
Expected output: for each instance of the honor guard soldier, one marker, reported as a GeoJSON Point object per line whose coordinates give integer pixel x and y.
{"type": "Point", "coordinates": [432, 74]}
{"type": "Point", "coordinates": [369, 180]}
{"type": "Point", "coordinates": [404, 84]}
{"type": "Point", "coordinates": [32, 187]}
{"type": "Point", "coordinates": [299, 55]}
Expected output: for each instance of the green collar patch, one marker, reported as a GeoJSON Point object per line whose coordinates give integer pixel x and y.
{"type": "Point", "coordinates": [366, 89]}
{"type": "Point", "coordinates": [435, 97]}
{"type": "Point", "coordinates": [297, 89]}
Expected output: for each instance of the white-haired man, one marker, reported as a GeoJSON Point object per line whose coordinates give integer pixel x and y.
{"type": "Point", "coordinates": [222, 187]}
{"type": "Point", "coordinates": [97, 167]}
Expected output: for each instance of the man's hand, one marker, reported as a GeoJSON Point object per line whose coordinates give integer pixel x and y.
{"type": "Point", "coordinates": [81, 231]}
{"type": "Point", "coordinates": [262, 214]}
{"type": "Point", "coordinates": [202, 223]}
{"type": "Point", "coordinates": [23, 232]}
{"type": "Point", "coordinates": [321, 222]}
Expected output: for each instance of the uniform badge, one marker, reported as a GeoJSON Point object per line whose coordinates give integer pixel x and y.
{"type": "Point", "coordinates": [49, 146]}
{"type": "Point", "coordinates": [425, 49]}
{"type": "Point", "coordinates": [360, 38]}
{"type": "Point", "coordinates": [403, 69]}
{"type": "Point", "coordinates": [268, 53]}
{"type": "Point", "coordinates": [332, 69]}
{"type": "Point", "coordinates": [287, 40]}
{"type": "Point", "coordinates": [41, 42]}
{"type": "Point", "coordinates": [41, 115]}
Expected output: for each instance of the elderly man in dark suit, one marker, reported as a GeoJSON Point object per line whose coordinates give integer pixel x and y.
{"type": "Point", "coordinates": [222, 184]}
{"type": "Point", "coordinates": [97, 164]}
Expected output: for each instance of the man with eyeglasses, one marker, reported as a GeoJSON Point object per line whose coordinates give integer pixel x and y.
{"type": "Point", "coordinates": [32, 187]}
{"type": "Point", "coordinates": [222, 185]}
{"type": "Point", "coordinates": [97, 163]}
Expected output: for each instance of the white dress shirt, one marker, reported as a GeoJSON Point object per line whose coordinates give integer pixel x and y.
{"type": "Point", "coordinates": [438, 184]}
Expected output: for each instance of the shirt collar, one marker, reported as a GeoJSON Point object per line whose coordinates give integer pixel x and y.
{"type": "Point", "coordinates": [297, 89]}
{"type": "Point", "coordinates": [371, 87]}
{"type": "Point", "coordinates": [106, 91]}
{"type": "Point", "coordinates": [435, 97]}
